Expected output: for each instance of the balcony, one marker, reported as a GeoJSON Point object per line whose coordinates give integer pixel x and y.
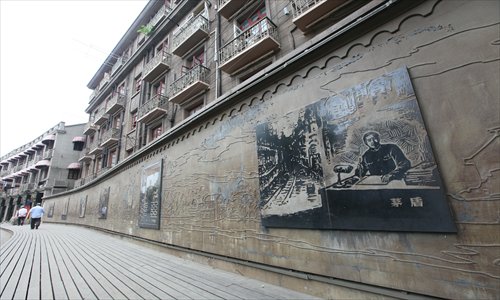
{"type": "Point", "coordinates": [306, 13]}
{"type": "Point", "coordinates": [157, 65]}
{"type": "Point", "coordinates": [93, 94]}
{"type": "Point", "coordinates": [101, 117]}
{"type": "Point", "coordinates": [105, 80]}
{"type": "Point", "coordinates": [254, 43]}
{"type": "Point", "coordinates": [47, 154]}
{"type": "Point", "coordinates": [90, 128]}
{"type": "Point", "coordinates": [152, 109]}
{"type": "Point", "coordinates": [189, 35]}
{"type": "Point", "coordinates": [118, 64]}
{"type": "Point", "coordinates": [116, 103]}
{"type": "Point", "coordinates": [86, 155]}
{"type": "Point", "coordinates": [190, 84]}
{"type": "Point", "coordinates": [227, 8]}
{"type": "Point", "coordinates": [160, 15]}
{"type": "Point", "coordinates": [110, 137]}
{"type": "Point", "coordinates": [94, 148]}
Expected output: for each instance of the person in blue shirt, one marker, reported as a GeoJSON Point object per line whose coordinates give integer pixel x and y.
{"type": "Point", "coordinates": [36, 214]}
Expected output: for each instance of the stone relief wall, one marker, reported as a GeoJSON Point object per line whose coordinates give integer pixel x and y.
{"type": "Point", "coordinates": [210, 180]}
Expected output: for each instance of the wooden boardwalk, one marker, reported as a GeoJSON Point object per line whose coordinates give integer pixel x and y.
{"type": "Point", "coordinates": [71, 262]}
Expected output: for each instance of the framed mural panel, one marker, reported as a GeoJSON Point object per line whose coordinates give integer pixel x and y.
{"type": "Point", "coordinates": [103, 203]}
{"type": "Point", "coordinates": [150, 196]}
{"type": "Point", "coordinates": [50, 212]}
{"type": "Point", "coordinates": [360, 159]}
{"type": "Point", "coordinates": [64, 214]}
{"type": "Point", "coordinates": [83, 206]}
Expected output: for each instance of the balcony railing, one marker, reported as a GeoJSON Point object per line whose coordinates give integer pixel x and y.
{"type": "Point", "coordinates": [190, 34]}
{"type": "Point", "coordinates": [256, 42]}
{"type": "Point", "coordinates": [157, 65]}
{"type": "Point", "coordinates": [93, 94]}
{"type": "Point", "coordinates": [160, 14]}
{"type": "Point", "coordinates": [227, 8]}
{"type": "Point", "coordinates": [190, 84]}
{"type": "Point", "coordinates": [95, 148]}
{"type": "Point", "coordinates": [110, 137]}
{"type": "Point", "coordinates": [152, 109]}
{"type": "Point", "coordinates": [101, 117]}
{"type": "Point", "coordinates": [105, 80]}
{"type": "Point", "coordinates": [47, 154]}
{"type": "Point", "coordinates": [115, 103]}
{"type": "Point", "coordinates": [90, 127]}
{"type": "Point", "coordinates": [86, 155]}
{"type": "Point", "coordinates": [306, 13]}
{"type": "Point", "coordinates": [119, 62]}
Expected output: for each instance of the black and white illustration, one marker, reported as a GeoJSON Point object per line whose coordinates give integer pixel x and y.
{"type": "Point", "coordinates": [82, 206]}
{"type": "Point", "coordinates": [150, 197]}
{"type": "Point", "coordinates": [359, 159]}
{"type": "Point", "coordinates": [103, 203]}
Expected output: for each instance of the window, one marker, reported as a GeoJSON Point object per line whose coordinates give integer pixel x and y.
{"type": "Point", "coordinates": [158, 88]}
{"type": "Point", "coordinates": [98, 162]}
{"type": "Point", "coordinates": [133, 118]}
{"type": "Point", "coordinates": [73, 173]}
{"type": "Point", "coordinates": [197, 58]}
{"type": "Point", "coordinates": [155, 132]}
{"type": "Point", "coordinates": [116, 121]}
{"type": "Point", "coordinates": [138, 83]}
{"type": "Point", "coordinates": [248, 21]}
{"type": "Point", "coordinates": [112, 157]}
{"type": "Point", "coordinates": [120, 90]}
{"type": "Point", "coordinates": [193, 110]}
{"type": "Point", "coordinates": [78, 146]}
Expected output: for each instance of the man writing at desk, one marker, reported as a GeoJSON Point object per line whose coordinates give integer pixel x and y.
{"type": "Point", "coordinates": [385, 160]}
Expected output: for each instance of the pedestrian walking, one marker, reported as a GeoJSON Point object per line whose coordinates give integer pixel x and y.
{"type": "Point", "coordinates": [36, 214]}
{"type": "Point", "coordinates": [21, 215]}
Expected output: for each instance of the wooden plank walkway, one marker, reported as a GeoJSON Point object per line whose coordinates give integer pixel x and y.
{"type": "Point", "coordinates": [71, 262]}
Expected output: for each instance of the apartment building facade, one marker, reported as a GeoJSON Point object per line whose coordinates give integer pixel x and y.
{"type": "Point", "coordinates": [244, 132]}
{"type": "Point", "coordinates": [45, 166]}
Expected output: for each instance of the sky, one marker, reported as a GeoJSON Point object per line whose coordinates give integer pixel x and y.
{"type": "Point", "coordinates": [49, 51]}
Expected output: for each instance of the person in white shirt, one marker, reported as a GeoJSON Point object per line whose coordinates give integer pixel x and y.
{"type": "Point", "coordinates": [21, 215]}
{"type": "Point", "coordinates": [36, 214]}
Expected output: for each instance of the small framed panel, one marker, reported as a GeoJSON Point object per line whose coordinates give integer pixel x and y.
{"type": "Point", "coordinates": [150, 196]}
{"type": "Point", "coordinates": [103, 203]}
{"type": "Point", "coordinates": [83, 206]}
{"type": "Point", "coordinates": [64, 214]}
{"type": "Point", "coordinates": [50, 212]}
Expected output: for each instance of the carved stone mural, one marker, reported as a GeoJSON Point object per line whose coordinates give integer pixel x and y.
{"type": "Point", "coordinates": [360, 159]}
{"type": "Point", "coordinates": [150, 196]}
{"type": "Point", "coordinates": [103, 203]}
{"type": "Point", "coordinates": [82, 206]}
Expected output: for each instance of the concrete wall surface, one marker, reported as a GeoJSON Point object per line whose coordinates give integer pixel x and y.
{"type": "Point", "coordinates": [210, 179]}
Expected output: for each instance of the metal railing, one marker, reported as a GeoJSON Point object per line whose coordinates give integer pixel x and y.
{"type": "Point", "coordinates": [119, 62]}
{"type": "Point", "coordinates": [197, 73]}
{"type": "Point", "coordinates": [118, 98]}
{"type": "Point", "coordinates": [105, 79]}
{"type": "Point", "coordinates": [161, 57]}
{"type": "Point", "coordinates": [246, 39]}
{"type": "Point", "coordinates": [112, 133]}
{"type": "Point", "coordinates": [162, 12]}
{"type": "Point", "coordinates": [157, 101]}
{"type": "Point", "coordinates": [301, 6]}
{"type": "Point", "coordinates": [186, 30]}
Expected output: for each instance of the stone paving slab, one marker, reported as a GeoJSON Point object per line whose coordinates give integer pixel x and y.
{"type": "Point", "coordinates": [72, 262]}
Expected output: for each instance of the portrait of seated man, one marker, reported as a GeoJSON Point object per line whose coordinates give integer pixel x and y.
{"type": "Point", "coordinates": [385, 160]}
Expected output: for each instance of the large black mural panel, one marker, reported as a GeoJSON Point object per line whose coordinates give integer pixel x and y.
{"type": "Point", "coordinates": [150, 196]}
{"type": "Point", "coordinates": [358, 160]}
